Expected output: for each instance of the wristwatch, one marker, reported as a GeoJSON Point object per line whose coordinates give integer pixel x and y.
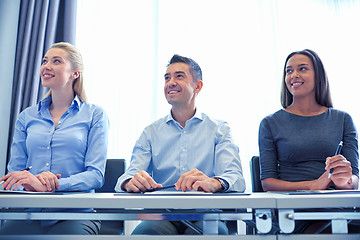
{"type": "Point", "coordinates": [224, 184]}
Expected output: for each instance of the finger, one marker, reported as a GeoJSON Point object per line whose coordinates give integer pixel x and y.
{"type": "Point", "coordinates": [339, 163]}
{"type": "Point", "coordinates": [8, 183]}
{"type": "Point", "coordinates": [140, 182]}
{"type": "Point", "coordinates": [5, 183]}
{"type": "Point", "coordinates": [52, 184]}
{"type": "Point", "coordinates": [145, 180]}
{"type": "Point", "coordinates": [330, 160]}
{"type": "Point", "coordinates": [195, 175]}
{"type": "Point", "coordinates": [53, 179]}
{"type": "Point", "coordinates": [336, 161]}
{"type": "Point", "coordinates": [135, 186]}
{"type": "Point", "coordinates": [346, 170]}
{"type": "Point", "coordinates": [47, 181]}
{"type": "Point", "coordinates": [13, 179]}
{"type": "Point", "coordinates": [327, 161]}
{"type": "Point", "coordinates": [181, 183]}
{"type": "Point", "coordinates": [21, 182]}
{"type": "Point", "coordinates": [188, 182]}
{"type": "Point", "coordinates": [133, 189]}
{"type": "Point", "coordinates": [18, 184]}
{"type": "Point", "coordinates": [41, 179]}
{"type": "Point", "coordinates": [340, 176]}
{"type": "Point", "coordinates": [57, 184]}
{"type": "Point", "coordinates": [201, 186]}
{"type": "Point", "coordinates": [149, 180]}
{"type": "Point", "coordinates": [3, 178]}
{"type": "Point", "coordinates": [50, 181]}
{"type": "Point", "coordinates": [7, 178]}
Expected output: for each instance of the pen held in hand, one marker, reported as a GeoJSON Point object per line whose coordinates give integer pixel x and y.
{"type": "Point", "coordinates": [338, 150]}
{"type": "Point", "coordinates": [28, 168]}
{"type": "Point", "coordinates": [159, 189]}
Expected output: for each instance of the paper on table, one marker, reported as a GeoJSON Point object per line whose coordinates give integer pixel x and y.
{"type": "Point", "coordinates": [177, 192]}
{"type": "Point", "coordinates": [23, 192]}
{"type": "Point", "coordinates": [35, 193]}
{"type": "Point", "coordinates": [305, 192]}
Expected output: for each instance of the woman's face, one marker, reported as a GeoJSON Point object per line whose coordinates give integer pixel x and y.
{"type": "Point", "coordinates": [56, 70]}
{"type": "Point", "coordinates": [300, 76]}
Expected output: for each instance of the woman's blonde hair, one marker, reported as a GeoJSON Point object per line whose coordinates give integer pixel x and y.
{"type": "Point", "coordinates": [77, 64]}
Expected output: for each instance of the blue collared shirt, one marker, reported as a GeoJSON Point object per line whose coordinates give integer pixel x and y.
{"type": "Point", "coordinates": [166, 150]}
{"type": "Point", "coordinates": [76, 149]}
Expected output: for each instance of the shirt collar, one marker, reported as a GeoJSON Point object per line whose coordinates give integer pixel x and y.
{"type": "Point", "coordinates": [45, 103]}
{"type": "Point", "coordinates": [76, 102]}
{"type": "Point", "coordinates": [197, 115]}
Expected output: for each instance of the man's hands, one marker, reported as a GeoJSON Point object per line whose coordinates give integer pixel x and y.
{"type": "Point", "coordinates": [140, 182]}
{"type": "Point", "coordinates": [192, 180]}
{"type": "Point", "coordinates": [43, 182]}
{"type": "Point", "coordinates": [198, 181]}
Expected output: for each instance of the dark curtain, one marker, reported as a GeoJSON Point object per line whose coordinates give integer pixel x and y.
{"type": "Point", "coordinates": [41, 23]}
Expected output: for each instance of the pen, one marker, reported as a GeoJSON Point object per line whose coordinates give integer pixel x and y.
{"type": "Point", "coordinates": [158, 189]}
{"type": "Point", "coordinates": [26, 169]}
{"type": "Point", "coordinates": [338, 150]}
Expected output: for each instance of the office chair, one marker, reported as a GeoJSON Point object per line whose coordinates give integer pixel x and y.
{"type": "Point", "coordinates": [114, 169]}
{"type": "Point", "coordinates": [255, 174]}
{"type": "Point", "coordinates": [256, 187]}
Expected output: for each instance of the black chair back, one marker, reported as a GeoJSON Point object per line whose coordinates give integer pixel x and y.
{"type": "Point", "coordinates": [114, 169]}
{"type": "Point", "coordinates": [255, 174]}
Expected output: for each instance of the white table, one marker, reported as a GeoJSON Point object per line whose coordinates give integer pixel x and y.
{"type": "Point", "coordinates": [207, 207]}
{"type": "Point", "coordinates": [193, 207]}
{"type": "Point", "coordinates": [329, 205]}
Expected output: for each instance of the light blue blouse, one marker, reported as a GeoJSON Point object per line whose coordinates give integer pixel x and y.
{"type": "Point", "coordinates": [76, 148]}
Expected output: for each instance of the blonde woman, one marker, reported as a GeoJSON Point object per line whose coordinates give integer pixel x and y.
{"type": "Point", "coordinates": [63, 139]}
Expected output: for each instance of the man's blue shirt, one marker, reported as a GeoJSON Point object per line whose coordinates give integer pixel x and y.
{"type": "Point", "coordinates": [166, 150]}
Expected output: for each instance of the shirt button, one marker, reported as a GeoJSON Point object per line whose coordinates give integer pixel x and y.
{"type": "Point", "coordinates": [69, 111]}
{"type": "Point", "coordinates": [184, 149]}
{"type": "Point", "coordinates": [184, 131]}
{"type": "Point", "coordinates": [51, 131]}
{"type": "Point", "coordinates": [48, 147]}
{"type": "Point", "coordinates": [59, 122]}
{"type": "Point", "coordinates": [47, 164]}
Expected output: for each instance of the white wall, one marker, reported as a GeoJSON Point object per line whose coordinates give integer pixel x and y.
{"type": "Point", "coordinates": [9, 14]}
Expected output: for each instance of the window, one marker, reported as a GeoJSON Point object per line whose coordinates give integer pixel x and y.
{"type": "Point", "coordinates": [241, 47]}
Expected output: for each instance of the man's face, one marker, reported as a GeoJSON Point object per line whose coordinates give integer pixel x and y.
{"type": "Point", "coordinates": [180, 88]}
